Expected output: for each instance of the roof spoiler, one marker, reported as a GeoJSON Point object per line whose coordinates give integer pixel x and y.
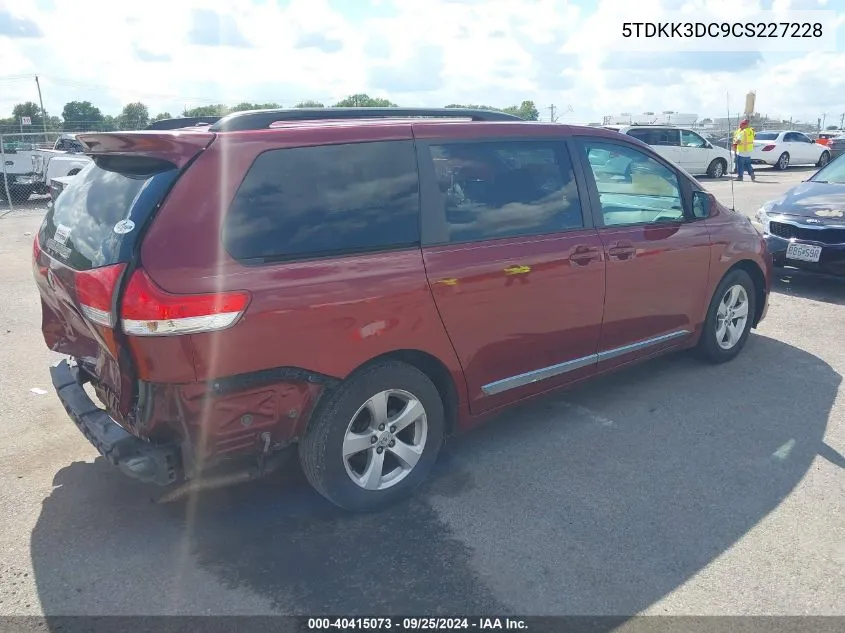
{"type": "Point", "coordinates": [176, 148]}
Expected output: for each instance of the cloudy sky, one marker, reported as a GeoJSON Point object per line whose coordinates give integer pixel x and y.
{"type": "Point", "coordinates": [173, 53]}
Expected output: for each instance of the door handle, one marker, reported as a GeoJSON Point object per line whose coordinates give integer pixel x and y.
{"type": "Point", "coordinates": [622, 251]}
{"type": "Point", "coordinates": [583, 255]}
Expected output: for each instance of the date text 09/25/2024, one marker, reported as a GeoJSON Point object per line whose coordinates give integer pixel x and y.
{"type": "Point", "coordinates": [416, 624]}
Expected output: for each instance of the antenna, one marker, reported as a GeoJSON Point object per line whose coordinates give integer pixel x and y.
{"type": "Point", "coordinates": [730, 149]}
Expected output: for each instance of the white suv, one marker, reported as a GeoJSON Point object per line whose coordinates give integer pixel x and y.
{"type": "Point", "coordinates": [685, 148]}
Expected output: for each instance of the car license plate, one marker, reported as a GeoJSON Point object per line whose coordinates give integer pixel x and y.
{"type": "Point", "coordinates": [804, 252]}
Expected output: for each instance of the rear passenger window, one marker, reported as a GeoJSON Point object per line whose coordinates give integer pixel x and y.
{"type": "Point", "coordinates": [506, 189]}
{"type": "Point", "coordinates": [651, 136]}
{"type": "Point", "coordinates": [331, 199]}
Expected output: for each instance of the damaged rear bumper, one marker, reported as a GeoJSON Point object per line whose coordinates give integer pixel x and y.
{"type": "Point", "coordinates": [151, 463]}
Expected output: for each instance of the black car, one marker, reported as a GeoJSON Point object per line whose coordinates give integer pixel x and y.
{"type": "Point", "coordinates": [806, 227]}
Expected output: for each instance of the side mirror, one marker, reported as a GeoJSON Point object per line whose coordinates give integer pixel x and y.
{"type": "Point", "coordinates": [703, 204]}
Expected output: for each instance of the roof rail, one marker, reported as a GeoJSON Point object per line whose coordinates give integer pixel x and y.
{"type": "Point", "coordinates": [261, 119]}
{"type": "Point", "coordinates": [175, 124]}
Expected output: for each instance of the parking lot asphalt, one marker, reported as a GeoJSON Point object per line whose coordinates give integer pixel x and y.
{"type": "Point", "coordinates": [671, 488]}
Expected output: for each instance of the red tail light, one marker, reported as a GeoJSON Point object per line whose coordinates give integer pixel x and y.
{"type": "Point", "coordinates": [36, 256]}
{"type": "Point", "coordinates": [148, 310]}
{"type": "Point", "coordinates": [768, 148]}
{"type": "Point", "coordinates": [95, 291]}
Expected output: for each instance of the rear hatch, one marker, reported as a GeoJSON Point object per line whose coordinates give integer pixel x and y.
{"type": "Point", "coordinates": [87, 247]}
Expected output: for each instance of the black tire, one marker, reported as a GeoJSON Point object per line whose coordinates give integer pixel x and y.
{"type": "Point", "coordinates": [783, 161]}
{"type": "Point", "coordinates": [708, 346]}
{"type": "Point", "coordinates": [717, 168]}
{"type": "Point", "coordinates": [320, 450]}
{"type": "Point", "coordinates": [824, 159]}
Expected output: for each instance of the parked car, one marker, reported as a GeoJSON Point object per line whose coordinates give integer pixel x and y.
{"type": "Point", "coordinates": [836, 147]}
{"type": "Point", "coordinates": [823, 138]}
{"type": "Point", "coordinates": [683, 147]}
{"type": "Point", "coordinates": [31, 170]}
{"type": "Point", "coordinates": [805, 228]}
{"type": "Point", "coordinates": [430, 268]}
{"type": "Point", "coordinates": [784, 148]}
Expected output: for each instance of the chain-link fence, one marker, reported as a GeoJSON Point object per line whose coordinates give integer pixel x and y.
{"type": "Point", "coordinates": [27, 168]}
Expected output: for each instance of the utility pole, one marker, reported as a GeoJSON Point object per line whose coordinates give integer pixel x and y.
{"type": "Point", "coordinates": [552, 116]}
{"type": "Point", "coordinates": [824, 118]}
{"type": "Point", "coordinates": [842, 121]}
{"type": "Point", "coordinates": [43, 111]}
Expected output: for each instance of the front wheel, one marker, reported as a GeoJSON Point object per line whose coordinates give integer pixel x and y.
{"type": "Point", "coordinates": [824, 159]}
{"type": "Point", "coordinates": [729, 318]}
{"type": "Point", "coordinates": [375, 438]}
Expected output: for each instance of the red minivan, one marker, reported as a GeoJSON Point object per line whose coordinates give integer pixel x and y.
{"type": "Point", "coordinates": [362, 283]}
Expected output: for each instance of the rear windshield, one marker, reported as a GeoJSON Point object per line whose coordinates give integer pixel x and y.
{"type": "Point", "coordinates": [96, 220]}
{"type": "Point", "coordinates": [767, 136]}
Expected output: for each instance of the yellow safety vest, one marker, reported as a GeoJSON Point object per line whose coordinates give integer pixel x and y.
{"type": "Point", "coordinates": [744, 140]}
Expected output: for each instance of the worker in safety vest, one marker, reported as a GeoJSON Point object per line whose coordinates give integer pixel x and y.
{"type": "Point", "coordinates": [743, 146]}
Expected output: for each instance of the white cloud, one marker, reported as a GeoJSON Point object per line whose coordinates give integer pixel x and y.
{"type": "Point", "coordinates": [496, 52]}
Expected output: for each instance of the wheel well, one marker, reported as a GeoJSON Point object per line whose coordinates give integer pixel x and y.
{"type": "Point", "coordinates": [437, 372]}
{"type": "Point", "coordinates": [759, 280]}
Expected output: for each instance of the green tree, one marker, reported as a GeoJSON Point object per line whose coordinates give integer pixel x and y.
{"type": "Point", "coordinates": [135, 116]}
{"type": "Point", "coordinates": [309, 103]}
{"type": "Point", "coordinates": [109, 124]}
{"type": "Point", "coordinates": [246, 105]}
{"type": "Point", "coordinates": [364, 101]}
{"type": "Point", "coordinates": [218, 109]}
{"type": "Point", "coordinates": [28, 109]}
{"type": "Point", "coordinates": [526, 110]}
{"type": "Point", "coordinates": [81, 116]}
{"type": "Point", "coordinates": [161, 116]}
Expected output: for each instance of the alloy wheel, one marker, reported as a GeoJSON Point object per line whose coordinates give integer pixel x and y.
{"type": "Point", "coordinates": [385, 439]}
{"type": "Point", "coordinates": [783, 162]}
{"type": "Point", "coordinates": [731, 317]}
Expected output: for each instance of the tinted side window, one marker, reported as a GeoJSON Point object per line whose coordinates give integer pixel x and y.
{"type": "Point", "coordinates": [792, 137]}
{"type": "Point", "coordinates": [506, 189]}
{"type": "Point", "coordinates": [332, 199]}
{"type": "Point", "coordinates": [633, 187]}
{"type": "Point", "coordinates": [656, 136]}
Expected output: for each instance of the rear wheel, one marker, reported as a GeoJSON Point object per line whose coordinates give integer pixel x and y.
{"type": "Point", "coordinates": [783, 161]}
{"type": "Point", "coordinates": [824, 159]}
{"type": "Point", "coordinates": [717, 168]}
{"type": "Point", "coordinates": [729, 318]}
{"type": "Point", "coordinates": [375, 438]}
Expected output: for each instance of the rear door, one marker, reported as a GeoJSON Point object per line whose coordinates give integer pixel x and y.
{"type": "Point", "coordinates": [514, 263]}
{"type": "Point", "coordinates": [658, 255]}
{"type": "Point", "coordinates": [85, 245]}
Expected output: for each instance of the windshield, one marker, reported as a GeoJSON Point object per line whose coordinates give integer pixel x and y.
{"type": "Point", "coordinates": [767, 136]}
{"type": "Point", "coordinates": [833, 172]}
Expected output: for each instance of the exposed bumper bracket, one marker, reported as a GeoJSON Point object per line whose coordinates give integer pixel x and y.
{"type": "Point", "coordinates": [150, 463]}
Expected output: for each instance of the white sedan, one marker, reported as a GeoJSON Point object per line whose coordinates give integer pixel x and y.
{"type": "Point", "coordinates": [785, 148]}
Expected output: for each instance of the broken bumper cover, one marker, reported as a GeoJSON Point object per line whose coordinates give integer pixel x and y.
{"type": "Point", "coordinates": [150, 463]}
